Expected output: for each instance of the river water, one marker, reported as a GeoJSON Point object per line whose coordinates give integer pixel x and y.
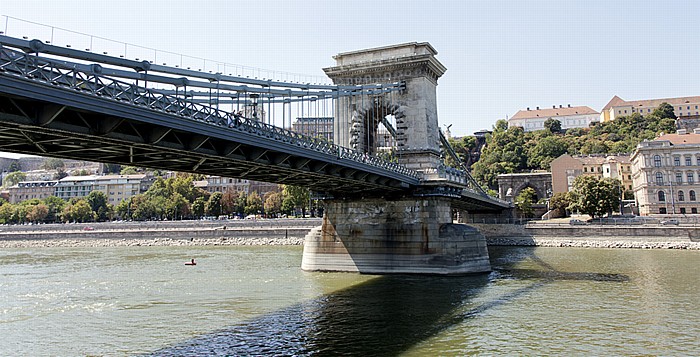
{"type": "Point", "coordinates": [256, 301]}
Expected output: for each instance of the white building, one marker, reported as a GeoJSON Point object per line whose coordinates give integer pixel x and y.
{"type": "Point", "coordinates": [569, 117]}
{"type": "Point", "coordinates": [666, 174]}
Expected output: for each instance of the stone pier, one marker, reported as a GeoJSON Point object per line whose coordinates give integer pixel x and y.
{"type": "Point", "coordinates": [404, 236]}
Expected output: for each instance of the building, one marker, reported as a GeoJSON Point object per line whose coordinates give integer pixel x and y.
{"type": "Point", "coordinates": [566, 168]}
{"type": "Point", "coordinates": [119, 187]}
{"type": "Point", "coordinates": [116, 187]}
{"type": "Point", "coordinates": [27, 190]}
{"type": "Point", "coordinates": [213, 184]}
{"type": "Point", "coordinates": [569, 117]}
{"type": "Point", "coordinates": [318, 127]}
{"type": "Point", "coordinates": [685, 108]}
{"type": "Point", "coordinates": [666, 174]}
{"type": "Point", "coordinates": [75, 186]}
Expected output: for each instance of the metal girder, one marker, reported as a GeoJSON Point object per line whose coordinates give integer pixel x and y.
{"type": "Point", "coordinates": [48, 113]}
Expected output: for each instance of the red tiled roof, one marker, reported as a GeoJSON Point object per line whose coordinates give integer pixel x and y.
{"type": "Point", "coordinates": [553, 112]}
{"type": "Point", "coordinates": [615, 101]}
{"type": "Point", "coordinates": [651, 102]}
{"type": "Point", "coordinates": [679, 139]}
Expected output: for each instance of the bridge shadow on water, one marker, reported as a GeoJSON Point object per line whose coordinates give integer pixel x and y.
{"type": "Point", "coordinates": [384, 316]}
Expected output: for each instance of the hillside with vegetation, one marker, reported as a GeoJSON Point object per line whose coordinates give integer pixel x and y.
{"type": "Point", "coordinates": [511, 150]}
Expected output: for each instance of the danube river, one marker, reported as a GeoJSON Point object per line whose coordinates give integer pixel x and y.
{"type": "Point", "coordinates": [256, 301]}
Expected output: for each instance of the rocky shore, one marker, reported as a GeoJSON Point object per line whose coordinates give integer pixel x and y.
{"type": "Point", "coordinates": [123, 242]}
{"type": "Point", "coordinates": [180, 233]}
{"type": "Point", "coordinates": [293, 231]}
{"type": "Point", "coordinates": [620, 242]}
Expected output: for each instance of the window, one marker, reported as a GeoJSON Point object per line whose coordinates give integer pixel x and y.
{"type": "Point", "coordinates": [659, 178]}
{"type": "Point", "coordinates": [662, 210]}
{"type": "Point", "coordinates": [691, 195]}
{"type": "Point", "coordinates": [679, 177]}
{"type": "Point", "coordinates": [662, 196]}
{"type": "Point", "coordinates": [585, 169]}
{"type": "Point", "coordinates": [681, 196]}
{"type": "Point", "coordinates": [629, 177]}
{"type": "Point", "coordinates": [682, 210]}
{"type": "Point", "coordinates": [688, 161]}
{"type": "Point", "coordinates": [690, 177]}
{"type": "Point", "coordinates": [630, 187]}
{"type": "Point", "coordinates": [649, 110]}
{"type": "Point", "coordinates": [607, 170]}
{"type": "Point", "coordinates": [694, 210]}
{"type": "Point", "coordinates": [657, 161]}
{"type": "Point", "coordinates": [677, 161]}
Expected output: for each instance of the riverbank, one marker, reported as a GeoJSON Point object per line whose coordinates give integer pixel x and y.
{"type": "Point", "coordinates": [177, 233]}
{"type": "Point", "coordinates": [293, 231]}
{"type": "Point", "coordinates": [592, 236]}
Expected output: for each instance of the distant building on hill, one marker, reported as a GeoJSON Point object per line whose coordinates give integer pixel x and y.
{"type": "Point", "coordinates": [27, 190]}
{"type": "Point", "coordinates": [687, 109]}
{"type": "Point", "coordinates": [566, 168]}
{"type": "Point", "coordinates": [569, 117]}
{"type": "Point", "coordinates": [667, 174]}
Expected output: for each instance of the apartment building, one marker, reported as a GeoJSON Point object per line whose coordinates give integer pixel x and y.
{"type": "Point", "coordinates": [27, 190]}
{"type": "Point", "coordinates": [667, 174]}
{"type": "Point", "coordinates": [566, 168]}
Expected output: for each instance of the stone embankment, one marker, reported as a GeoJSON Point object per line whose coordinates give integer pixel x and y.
{"type": "Point", "coordinates": [178, 233]}
{"type": "Point", "coordinates": [592, 236]}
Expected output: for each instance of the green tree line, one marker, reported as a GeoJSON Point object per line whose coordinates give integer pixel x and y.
{"type": "Point", "coordinates": [510, 150]}
{"type": "Point", "coordinates": [172, 199]}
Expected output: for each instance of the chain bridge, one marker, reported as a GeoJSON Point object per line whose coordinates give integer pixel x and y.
{"type": "Point", "coordinates": [367, 143]}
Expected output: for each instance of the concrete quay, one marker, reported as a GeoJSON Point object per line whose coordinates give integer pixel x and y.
{"type": "Point", "coordinates": [592, 236]}
{"type": "Point", "coordinates": [173, 233]}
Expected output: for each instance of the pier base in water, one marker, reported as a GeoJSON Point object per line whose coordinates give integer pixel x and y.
{"type": "Point", "coordinates": [407, 236]}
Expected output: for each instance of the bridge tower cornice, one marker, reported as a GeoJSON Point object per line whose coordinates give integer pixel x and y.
{"type": "Point", "coordinates": [395, 63]}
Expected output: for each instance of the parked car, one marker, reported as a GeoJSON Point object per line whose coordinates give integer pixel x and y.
{"type": "Point", "coordinates": [576, 222]}
{"type": "Point", "coordinates": [670, 222]}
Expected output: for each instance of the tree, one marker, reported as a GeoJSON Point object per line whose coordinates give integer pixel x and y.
{"type": "Point", "coordinates": [524, 201]}
{"type": "Point", "coordinates": [198, 207]}
{"type": "Point", "coordinates": [213, 207]}
{"type": "Point", "coordinates": [596, 197]}
{"type": "Point", "coordinates": [559, 202]}
{"type": "Point", "coordinates": [229, 200]}
{"type": "Point", "coordinates": [98, 204]}
{"type": "Point", "coordinates": [504, 153]}
{"type": "Point", "coordinates": [78, 211]}
{"type": "Point", "coordinates": [254, 204]}
{"type": "Point", "coordinates": [60, 174]}
{"type": "Point", "coordinates": [664, 111]}
{"type": "Point", "coordinates": [553, 125]}
{"type": "Point", "coordinates": [53, 164]}
{"type": "Point", "coordinates": [37, 213]}
{"type": "Point", "coordinates": [546, 150]}
{"type": "Point", "coordinates": [273, 203]}
{"type": "Point", "coordinates": [55, 206]}
{"type": "Point", "coordinates": [13, 178]}
{"type": "Point", "coordinates": [295, 197]}
{"type": "Point", "coordinates": [128, 170]}
{"type": "Point", "coordinates": [108, 168]}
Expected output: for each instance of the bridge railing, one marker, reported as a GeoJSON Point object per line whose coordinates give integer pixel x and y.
{"type": "Point", "coordinates": [87, 79]}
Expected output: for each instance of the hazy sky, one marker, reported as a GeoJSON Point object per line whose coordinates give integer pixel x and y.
{"type": "Point", "coordinates": [501, 56]}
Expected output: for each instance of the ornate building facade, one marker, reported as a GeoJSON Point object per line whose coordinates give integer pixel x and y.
{"type": "Point", "coordinates": [666, 174]}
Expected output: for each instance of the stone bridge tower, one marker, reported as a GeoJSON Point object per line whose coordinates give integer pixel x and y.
{"type": "Point", "coordinates": [415, 108]}
{"type": "Point", "coordinates": [407, 234]}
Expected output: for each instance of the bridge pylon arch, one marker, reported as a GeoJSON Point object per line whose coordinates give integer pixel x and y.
{"type": "Point", "coordinates": [414, 108]}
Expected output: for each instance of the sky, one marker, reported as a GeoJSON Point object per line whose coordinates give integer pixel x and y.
{"type": "Point", "coordinates": [501, 56]}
